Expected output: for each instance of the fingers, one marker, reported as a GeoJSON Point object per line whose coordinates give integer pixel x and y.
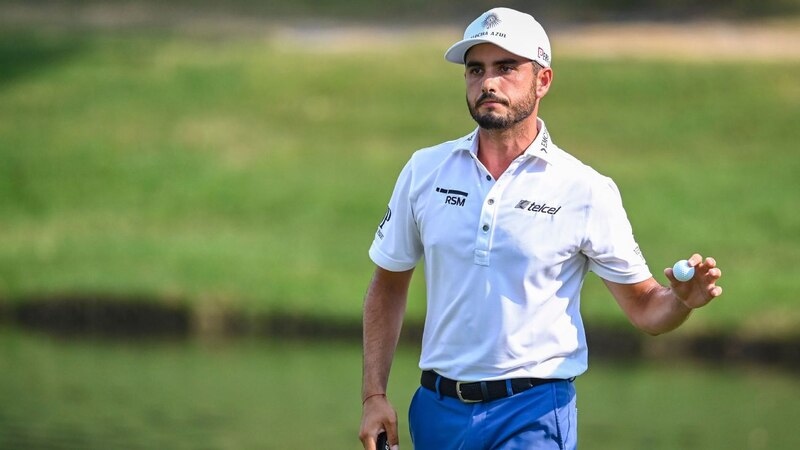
{"type": "Point", "coordinates": [702, 288]}
{"type": "Point", "coordinates": [709, 270]}
{"type": "Point", "coordinates": [391, 435]}
{"type": "Point", "coordinates": [368, 440]}
{"type": "Point", "coordinates": [369, 436]}
{"type": "Point", "coordinates": [695, 260]}
{"type": "Point", "coordinates": [378, 416]}
{"type": "Point", "coordinates": [369, 443]}
{"type": "Point", "coordinates": [713, 274]}
{"type": "Point", "coordinates": [709, 263]}
{"type": "Point", "coordinates": [708, 266]}
{"type": "Point", "coordinates": [670, 276]}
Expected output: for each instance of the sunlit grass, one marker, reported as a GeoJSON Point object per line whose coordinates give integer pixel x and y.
{"type": "Point", "coordinates": [256, 171]}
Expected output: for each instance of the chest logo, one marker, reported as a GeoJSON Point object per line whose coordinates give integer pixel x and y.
{"type": "Point", "coordinates": [534, 207]}
{"type": "Point", "coordinates": [453, 196]}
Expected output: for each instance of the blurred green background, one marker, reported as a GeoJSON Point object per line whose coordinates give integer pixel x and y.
{"type": "Point", "coordinates": [232, 161]}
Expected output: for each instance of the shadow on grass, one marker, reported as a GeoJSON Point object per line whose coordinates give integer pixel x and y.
{"type": "Point", "coordinates": [25, 54]}
{"type": "Point", "coordinates": [101, 315]}
{"type": "Point", "coordinates": [114, 317]}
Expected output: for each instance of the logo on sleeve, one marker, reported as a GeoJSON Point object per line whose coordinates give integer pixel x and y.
{"type": "Point", "coordinates": [638, 251]}
{"type": "Point", "coordinates": [453, 196]}
{"type": "Point", "coordinates": [386, 218]}
{"type": "Point", "coordinates": [534, 207]}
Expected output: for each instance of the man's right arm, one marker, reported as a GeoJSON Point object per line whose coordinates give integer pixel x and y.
{"type": "Point", "coordinates": [384, 308]}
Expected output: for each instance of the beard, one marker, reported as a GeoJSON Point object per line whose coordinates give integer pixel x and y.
{"type": "Point", "coordinates": [495, 121]}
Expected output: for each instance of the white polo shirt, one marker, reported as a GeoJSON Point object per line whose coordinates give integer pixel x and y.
{"type": "Point", "coordinates": [505, 259]}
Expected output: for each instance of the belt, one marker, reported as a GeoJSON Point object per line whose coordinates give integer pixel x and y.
{"type": "Point", "coordinates": [479, 391]}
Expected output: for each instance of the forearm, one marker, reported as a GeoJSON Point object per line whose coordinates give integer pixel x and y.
{"type": "Point", "coordinates": [661, 310]}
{"type": "Point", "coordinates": [384, 308]}
{"type": "Point", "coordinates": [656, 309]}
{"type": "Point", "coordinates": [651, 307]}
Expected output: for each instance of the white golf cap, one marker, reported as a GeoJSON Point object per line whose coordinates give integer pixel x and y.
{"type": "Point", "coordinates": [516, 32]}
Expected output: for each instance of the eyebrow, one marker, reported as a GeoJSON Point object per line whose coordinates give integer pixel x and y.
{"type": "Point", "coordinates": [495, 63]}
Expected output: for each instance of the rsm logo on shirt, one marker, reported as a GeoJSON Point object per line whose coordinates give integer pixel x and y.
{"type": "Point", "coordinates": [453, 196]}
{"type": "Point", "coordinates": [543, 208]}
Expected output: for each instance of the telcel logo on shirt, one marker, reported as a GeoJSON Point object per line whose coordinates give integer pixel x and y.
{"type": "Point", "coordinates": [543, 208]}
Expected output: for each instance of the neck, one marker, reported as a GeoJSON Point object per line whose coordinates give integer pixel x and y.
{"type": "Point", "coordinates": [498, 148]}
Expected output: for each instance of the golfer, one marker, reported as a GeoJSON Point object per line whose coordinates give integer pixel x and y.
{"type": "Point", "coordinates": [508, 225]}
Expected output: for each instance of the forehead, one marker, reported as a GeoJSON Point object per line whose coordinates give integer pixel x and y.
{"type": "Point", "coordinates": [488, 53]}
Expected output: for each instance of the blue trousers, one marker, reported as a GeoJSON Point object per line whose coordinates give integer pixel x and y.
{"type": "Point", "coordinates": [543, 417]}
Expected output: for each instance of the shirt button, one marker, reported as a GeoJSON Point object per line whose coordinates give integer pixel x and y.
{"type": "Point", "coordinates": [485, 227]}
{"type": "Point", "coordinates": [491, 201]}
{"type": "Point", "coordinates": [488, 178]}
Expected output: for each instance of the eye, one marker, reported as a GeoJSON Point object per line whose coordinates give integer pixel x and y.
{"type": "Point", "coordinates": [506, 69]}
{"type": "Point", "coordinates": [475, 71]}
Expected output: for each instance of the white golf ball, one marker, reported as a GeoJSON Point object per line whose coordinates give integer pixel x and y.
{"type": "Point", "coordinates": [682, 270]}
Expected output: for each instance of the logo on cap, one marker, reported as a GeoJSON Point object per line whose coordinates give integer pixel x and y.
{"type": "Point", "coordinates": [543, 54]}
{"type": "Point", "coordinates": [491, 21]}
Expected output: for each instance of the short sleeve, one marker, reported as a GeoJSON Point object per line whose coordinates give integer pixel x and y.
{"type": "Point", "coordinates": [397, 246]}
{"type": "Point", "coordinates": [610, 246]}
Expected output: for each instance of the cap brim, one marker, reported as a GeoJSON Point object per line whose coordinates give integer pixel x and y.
{"type": "Point", "coordinates": [456, 53]}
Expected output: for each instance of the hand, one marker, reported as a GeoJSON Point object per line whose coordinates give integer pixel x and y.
{"type": "Point", "coordinates": [702, 288]}
{"type": "Point", "coordinates": [378, 415]}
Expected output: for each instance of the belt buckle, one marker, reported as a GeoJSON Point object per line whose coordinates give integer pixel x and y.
{"type": "Point", "coordinates": [460, 397]}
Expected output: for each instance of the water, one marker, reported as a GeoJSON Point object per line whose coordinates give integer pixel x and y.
{"type": "Point", "coordinates": [272, 394]}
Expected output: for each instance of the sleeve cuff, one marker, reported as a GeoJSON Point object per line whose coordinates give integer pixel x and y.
{"type": "Point", "coordinates": [621, 278]}
{"type": "Point", "coordinates": [388, 263]}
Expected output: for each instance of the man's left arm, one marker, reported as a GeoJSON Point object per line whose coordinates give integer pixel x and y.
{"type": "Point", "coordinates": [656, 309]}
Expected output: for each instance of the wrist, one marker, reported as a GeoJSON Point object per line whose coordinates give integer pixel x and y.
{"type": "Point", "coordinates": [377, 394]}
{"type": "Point", "coordinates": [681, 303]}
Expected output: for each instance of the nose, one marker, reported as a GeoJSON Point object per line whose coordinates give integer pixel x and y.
{"type": "Point", "coordinates": [489, 84]}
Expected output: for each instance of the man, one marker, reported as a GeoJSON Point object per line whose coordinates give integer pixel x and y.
{"type": "Point", "coordinates": [508, 225]}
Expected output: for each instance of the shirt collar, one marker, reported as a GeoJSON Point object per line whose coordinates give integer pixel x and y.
{"type": "Point", "coordinates": [542, 147]}
{"type": "Point", "coordinates": [468, 143]}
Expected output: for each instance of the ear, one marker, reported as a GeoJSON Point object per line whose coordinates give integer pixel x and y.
{"type": "Point", "coordinates": [543, 81]}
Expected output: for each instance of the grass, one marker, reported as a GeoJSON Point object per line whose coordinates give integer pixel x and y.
{"type": "Point", "coordinates": [277, 395]}
{"type": "Point", "coordinates": [415, 10]}
{"type": "Point", "coordinates": [253, 172]}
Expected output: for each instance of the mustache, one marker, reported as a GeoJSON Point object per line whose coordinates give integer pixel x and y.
{"type": "Point", "coordinates": [490, 97]}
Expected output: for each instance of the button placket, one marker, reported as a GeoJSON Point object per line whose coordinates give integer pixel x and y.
{"type": "Point", "coordinates": [483, 240]}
